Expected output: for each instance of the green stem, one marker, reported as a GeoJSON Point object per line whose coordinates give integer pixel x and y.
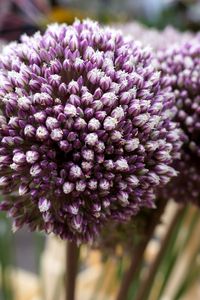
{"type": "Point", "coordinates": [139, 250]}
{"type": "Point", "coordinates": [145, 286]}
{"type": "Point", "coordinates": [71, 268]}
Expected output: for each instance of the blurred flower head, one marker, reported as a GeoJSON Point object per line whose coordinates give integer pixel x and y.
{"type": "Point", "coordinates": [86, 135]}
{"type": "Point", "coordinates": [185, 187]}
{"type": "Point", "coordinates": [157, 39]}
{"type": "Point", "coordinates": [125, 236]}
{"type": "Point", "coordinates": [181, 65]}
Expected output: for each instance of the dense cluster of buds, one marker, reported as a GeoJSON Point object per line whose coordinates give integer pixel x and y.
{"type": "Point", "coordinates": [85, 130]}
{"type": "Point", "coordinates": [179, 63]}
{"type": "Point", "coordinates": [153, 37]}
{"type": "Point", "coordinates": [182, 65]}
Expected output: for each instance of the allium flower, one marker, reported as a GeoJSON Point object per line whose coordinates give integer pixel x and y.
{"type": "Point", "coordinates": [85, 130]}
{"type": "Point", "coordinates": [185, 187]}
{"type": "Point", "coordinates": [181, 65]}
{"type": "Point", "coordinates": [156, 39]}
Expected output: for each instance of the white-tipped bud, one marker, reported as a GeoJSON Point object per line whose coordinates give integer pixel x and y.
{"type": "Point", "coordinates": [52, 123]}
{"type": "Point", "coordinates": [19, 158]}
{"type": "Point", "coordinates": [153, 178]}
{"type": "Point", "coordinates": [3, 181]}
{"type": "Point", "coordinates": [88, 154]}
{"type": "Point", "coordinates": [122, 185]}
{"type": "Point", "coordinates": [23, 189]}
{"type": "Point", "coordinates": [121, 165]}
{"type": "Point", "coordinates": [4, 158]}
{"type": "Point", "coordinates": [141, 119]}
{"type": "Point", "coordinates": [87, 98]}
{"type": "Point", "coordinates": [110, 123]}
{"type": "Point", "coordinates": [118, 113]}
{"type": "Point", "coordinates": [68, 187]}
{"type": "Point", "coordinates": [133, 181]}
{"type": "Point", "coordinates": [32, 156]}
{"type": "Point", "coordinates": [91, 139]}
{"type": "Point", "coordinates": [56, 134]}
{"type": "Point", "coordinates": [109, 165]}
{"type": "Point", "coordinates": [24, 103]}
{"type": "Point", "coordinates": [123, 198]}
{"type": "Point", "coordinates": [42, 133]}
{"type": "Point", "coordinates": [14, 166]}
{"type": "Point", "coordinates": [92, 184]}
{"type": "Point", "coordinates": [100, 147]}
{"type": "Point", "coordinates": [73, 87]}
{"type": "Point", "coordinates": [109, 99]}
{"type": "Point", "coordinates": [75, 171]}
{"type": "Point", "coordinates": [70, 110]}
{"type": "Point", "coordinates": [40, 116]}
{"type": "Point", "coordinates": [104, 184]}
{"type": "Point", "coordinates": [12, 122]}
{"type": "Point", "coordinates": [87, 165]}
{"type": "Point", "coordinates": [35, 170]}
{"type": "Point", "coordinates": [116, 135]}
{"type": "Point", "coordinates": [80, 186]}
{"type": "Point", "coordinates": [44, 205]}
{"type": "Point", "coordinates": [132, 145]}
{"type": "Point", "coordinates": [29, 130]}
{"type": "Point", "coordinates": [94, 124]}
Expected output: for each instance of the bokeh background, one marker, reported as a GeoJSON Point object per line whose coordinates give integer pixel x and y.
{"type": "Point", "coordinates": [23, 249]}
{"type": "Point", "coordinates": [19, 16]}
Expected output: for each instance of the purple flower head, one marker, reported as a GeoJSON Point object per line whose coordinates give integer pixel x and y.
{"type": "Point", "coordinates": [153, 37]}
{"type": "Point", "coordinates": [180, 66]}
{"type": "Point", "coordinates": [85, 130]}
{"type": "Point", "coordinates": [185, 187]}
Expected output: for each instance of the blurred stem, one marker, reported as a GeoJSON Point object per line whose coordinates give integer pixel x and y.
{"type": "Point", "coordinates": [139, 250]}
{"type": "Point", "coordinates": [145, 286]}
{"type": "Point", "coordinates": [178, 242]}
{"type": "Point", "coordinates": [72, 256]}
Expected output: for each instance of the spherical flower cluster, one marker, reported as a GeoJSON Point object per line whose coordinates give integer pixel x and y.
{"type": "Point", "coordinates": [85, 130]}
{"type": "Point", "coordinates": [156, 39]}
{"type": "Point", "coordinates": [181, 64]}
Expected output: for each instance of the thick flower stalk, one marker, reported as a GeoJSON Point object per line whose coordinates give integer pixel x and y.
{"type": "Point", "coordinates": [181, 64]}
{"type": "Point", "coordinates": [86, 135]}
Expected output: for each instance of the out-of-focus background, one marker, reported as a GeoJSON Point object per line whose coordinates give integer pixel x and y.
{"type": "Point", "coordinates": [23, 249]}
{"type": "Point", "coordinates": [19, 16]}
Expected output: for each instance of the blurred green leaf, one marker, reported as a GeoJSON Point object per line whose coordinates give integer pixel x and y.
{"type": "Point", "coordinates": [6, 258]}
